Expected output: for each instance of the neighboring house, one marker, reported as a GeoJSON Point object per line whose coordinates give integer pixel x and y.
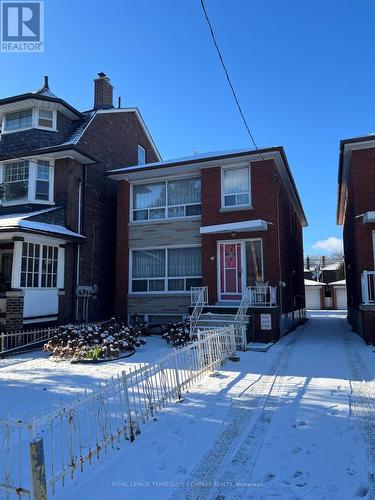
{"type": "Point", "coordinates": [58, 209]}
{"type": "Point", "coordinates": [356, 212]}
{"type": "Point", "coordinates": [226, 221]}
{"type": "Point", "coordinates": [315, 294]}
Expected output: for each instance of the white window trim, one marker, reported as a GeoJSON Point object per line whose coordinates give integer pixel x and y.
{"type": "Point", "coordinates": [34, 121]}
{"type": "Point", "coordinates": [17, 260]}
{"type": "Point", "coordinates": [243, 205]}
{"type": "Point", "coordinates": [163, 219]}
{"type": "Point", "coordinates": [165, 278]}
{"type": "Point", "coordinates": [31, 195]}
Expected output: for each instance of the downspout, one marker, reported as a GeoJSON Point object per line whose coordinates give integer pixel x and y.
{"type": "Point", "coordinates": [79, 210]}
{"type": "Point", "coordinates": [279, 251]}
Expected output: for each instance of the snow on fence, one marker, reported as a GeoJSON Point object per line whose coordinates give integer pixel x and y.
{"type": "Point", "coordinates": [35, 456]}
{"type": "Point", "coordinates": [13, 341]}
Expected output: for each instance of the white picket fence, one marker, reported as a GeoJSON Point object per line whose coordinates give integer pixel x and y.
{"type": "Point", "coordinates": [82, 431]}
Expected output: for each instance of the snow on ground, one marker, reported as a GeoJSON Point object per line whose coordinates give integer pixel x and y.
{"type": "Point", "coordinates": [295, 422]}
{"type": "Point", "coordinates": [33, 384]}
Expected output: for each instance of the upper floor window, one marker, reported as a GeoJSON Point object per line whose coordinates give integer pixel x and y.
{"type": "Point", "coordinates": [141, 155]}
{"type": "Point", "coordinates": [236, 187]}
{"type": "Point", "coordinates": [18, 120]}
{"type": "Point", "coordinates": [29, 118]}
{"type": "Point", "coordinates": [27, 181]}
{"type": "Point", "coordinates": [46, 118]}
{"type": "Point", "coordinates": [167, 199]}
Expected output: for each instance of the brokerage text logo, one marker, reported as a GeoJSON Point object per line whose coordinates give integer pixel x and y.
{"type": "Point", "coordinates": [22, 26]}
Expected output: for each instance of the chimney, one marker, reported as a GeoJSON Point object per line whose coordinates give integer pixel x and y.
{"type": "Point", "coordinates": [103, 92]}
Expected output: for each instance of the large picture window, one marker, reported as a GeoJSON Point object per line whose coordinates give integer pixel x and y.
{"type": "Point", "coordinates": [167, 269]}
{"type": "Point", "coordinates": [236, 187]}
{"type": "Point", "coordinates": [167, 199]}
{"type": "Point", "coordinates": [39, 265]}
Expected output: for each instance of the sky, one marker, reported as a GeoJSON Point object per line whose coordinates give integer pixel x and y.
{"type": "Point", "coordinates": [304, 72]}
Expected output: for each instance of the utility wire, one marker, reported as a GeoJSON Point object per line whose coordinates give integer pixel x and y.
{"type": "Point", "coordinates": [228, 77]}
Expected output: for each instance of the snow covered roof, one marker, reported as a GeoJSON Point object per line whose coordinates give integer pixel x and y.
{"type": "Point", "coordinates": [332, 267]}
{"type": "Point", "coordinates": [313, 283]}
{"type": "Point", "coordinates": [20, 222]}
{"type": "Point", "coordinates": [340, 282]}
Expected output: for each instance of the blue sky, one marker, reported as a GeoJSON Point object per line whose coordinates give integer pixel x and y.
{"type": "Point", "coordinates": [304, 72]}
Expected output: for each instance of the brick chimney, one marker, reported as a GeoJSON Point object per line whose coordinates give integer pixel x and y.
{"type": "Point", "coordinates": [103, 92]}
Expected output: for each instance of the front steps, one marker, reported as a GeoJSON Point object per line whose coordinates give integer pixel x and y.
{"type": "Point", "coordinates": [215, 320]}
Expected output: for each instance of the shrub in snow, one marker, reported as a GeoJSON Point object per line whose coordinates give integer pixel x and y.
{"type": "Point", "coordinates": [176, 334]}
{"type": "Point", "coordinates": [95, 342]}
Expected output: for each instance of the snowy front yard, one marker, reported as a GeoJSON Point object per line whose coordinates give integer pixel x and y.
{"type": "Point", "coordinates": [33, 384]}
{"type": "Point", "coordinates": [295, 422]}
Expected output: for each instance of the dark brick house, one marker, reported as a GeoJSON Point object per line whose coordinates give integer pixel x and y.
{"type": "Point", "coordinates": [58, 209]}
{"type": "Point", "coordinates": [226, 221]}
{"type": "Point", "coordinates": [356, 213]}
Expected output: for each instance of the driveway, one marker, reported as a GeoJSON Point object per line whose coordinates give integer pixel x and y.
{"type": "Point", "coordinates": [304, 429]}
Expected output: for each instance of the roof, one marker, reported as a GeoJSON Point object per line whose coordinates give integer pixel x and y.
{"type": "Point", "coordinates": [333, 267]}
{"type": "Point", "coordinates": [220, 155]}
{"type": "Point", "coordinates": [313, 283]}
{"type": "Point", "coordinates": [20, 222]}
{"type": "Point", "coordinates": [43, 94]}
{"type": "Point", "coordinates": [346, 147]}
{"type": "Point", "coordinates": [340, 282]}
{"type": "Point", "coordinates": [54, 152]}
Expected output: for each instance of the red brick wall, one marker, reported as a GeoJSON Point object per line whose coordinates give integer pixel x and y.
{"type": "Point", "coordinates": [282, 249]}
{"type": "Point", "coordinates": [358, 236]}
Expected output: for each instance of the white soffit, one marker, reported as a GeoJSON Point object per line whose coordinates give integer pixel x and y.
{"type": "Point", "coordinates": [236, 227]}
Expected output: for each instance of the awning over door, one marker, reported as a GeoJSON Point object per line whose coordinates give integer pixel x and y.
{"type": "Point", "coordinates": [237, 227]}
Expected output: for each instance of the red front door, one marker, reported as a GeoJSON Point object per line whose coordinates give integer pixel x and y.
{"type": "Point", "coordinates": [230, 287]}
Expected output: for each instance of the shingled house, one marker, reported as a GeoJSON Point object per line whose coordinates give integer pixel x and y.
{"type": "Point", "coordinates": [58, 209]}
{"type": "Point", "coordinates": [225, 221]}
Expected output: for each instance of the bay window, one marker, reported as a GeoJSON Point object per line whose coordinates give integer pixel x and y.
{"type": "Point", "coordinates": [167, 269]}
{"type": "Point", "coordinates": [27, 181]}
{"type": "Point", "coordinates": [235, 187]}
{"type": "Point", "coordinates": [167, 199]}
{"type": "Point", "coordinates": [30, 118]}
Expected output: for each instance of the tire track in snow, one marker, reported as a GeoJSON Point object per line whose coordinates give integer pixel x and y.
{"type": "Point", "coordinates": [267, 389]}
{"type": "Point", "coordinates": [240, 467]}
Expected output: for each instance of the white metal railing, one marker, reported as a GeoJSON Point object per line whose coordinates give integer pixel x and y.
{"type": "Point", "coordinates": [262, 296]}
{"type": "Point", "coordinates": [199, 298]}
{"type": "Point", "coordinates": [10, 341]}
{"type": "Point", "coordinates": [79, 432]}
{"type": "Point", "coordinates": [239, 325]}
{"type": "Point", "coordinates": [368, 287]}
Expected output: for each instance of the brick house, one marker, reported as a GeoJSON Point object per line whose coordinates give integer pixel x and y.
{"type": "Point", "coordinates": [58, 209]}
{"type": "Point", "coordinates": [356, 213]}
{"type": "Point", "coordinates": [226, 221]}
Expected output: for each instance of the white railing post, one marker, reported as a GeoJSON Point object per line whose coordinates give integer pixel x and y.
{"type": "Point", "coordinates": [364, 286]}
{"type": "Point", "coordinates": [127, 405]}
{"type": "Point", "coordinates": [179, 396]}
{"type": "Point", "coordinates": [2, 341]}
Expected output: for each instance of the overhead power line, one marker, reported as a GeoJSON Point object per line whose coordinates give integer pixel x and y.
{"type": "Point", "coordinates": [213, 36]}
